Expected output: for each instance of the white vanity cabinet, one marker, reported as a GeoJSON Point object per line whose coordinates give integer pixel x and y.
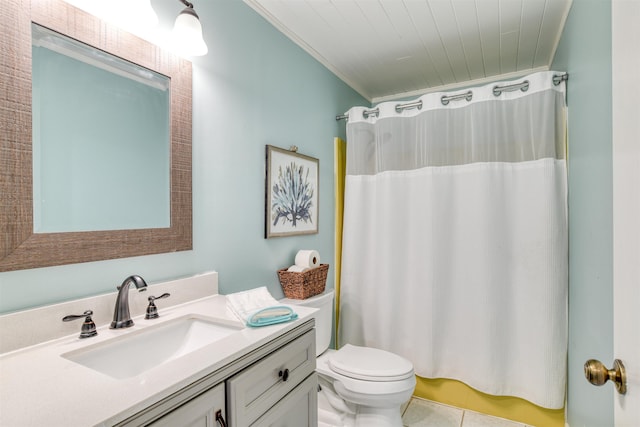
{"type": "Point", "coordinates": [252, 393]}
{"type": "Point", "coordinates": [273, 385]}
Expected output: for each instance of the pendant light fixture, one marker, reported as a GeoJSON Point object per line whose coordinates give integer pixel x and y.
{"type": "Point", "coordinates": [187, 32]}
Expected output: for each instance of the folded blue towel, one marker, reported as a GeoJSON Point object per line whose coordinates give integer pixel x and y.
{"type": "Point", "coordinates": [256, 307]}
{"type": "Point", "coordinates": [271, 316]}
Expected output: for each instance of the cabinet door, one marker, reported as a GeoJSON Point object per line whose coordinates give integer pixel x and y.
{"type": "Point", "coordinates": [202, 411]}
{"type": "Point", "coordinates": [252, 392]}
{"type": "Point", "coordinates": [299, 408]}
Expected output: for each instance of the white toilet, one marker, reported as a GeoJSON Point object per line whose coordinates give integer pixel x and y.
{"type": "Point", "coordinates": [360, 386]}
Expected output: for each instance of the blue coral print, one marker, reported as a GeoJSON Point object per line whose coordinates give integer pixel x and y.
{"type": "Point", "coordinates": [292, 197]}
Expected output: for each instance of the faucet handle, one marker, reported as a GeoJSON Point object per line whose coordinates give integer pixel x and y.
{"type": "Point", "coordinates": [152, 310]}
{"type": "Point", "coordinates": [88, 327]}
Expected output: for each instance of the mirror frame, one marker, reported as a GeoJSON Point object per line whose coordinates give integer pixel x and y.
{"type": "Point", "coordinates": [20, 247]}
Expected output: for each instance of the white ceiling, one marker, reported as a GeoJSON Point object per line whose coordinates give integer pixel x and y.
{"type": "Point", "coordinates": [397, 48]}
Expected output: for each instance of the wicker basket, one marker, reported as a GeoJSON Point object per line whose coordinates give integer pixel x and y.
{"type": "Point", "coordinates": [303, 285]}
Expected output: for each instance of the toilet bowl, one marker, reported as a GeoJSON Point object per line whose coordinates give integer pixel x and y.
{"type": "Point", "coordinates": [360, 386]}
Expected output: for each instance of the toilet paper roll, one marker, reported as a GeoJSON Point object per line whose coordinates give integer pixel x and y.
{"type": "Point", "coordinates": [308, 258]}
{"type": "Point", "coordinates": [297, 269]}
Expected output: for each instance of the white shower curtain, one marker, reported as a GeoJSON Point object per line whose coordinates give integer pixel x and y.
{"type": "Point", "coordinates": [455, 237]}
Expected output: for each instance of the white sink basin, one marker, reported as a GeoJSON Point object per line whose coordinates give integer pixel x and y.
{"type": "Point", "coordinates": [139, 351]}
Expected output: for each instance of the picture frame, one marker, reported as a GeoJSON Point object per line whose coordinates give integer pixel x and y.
{"type": "Point", "coordinates": [291, 193]}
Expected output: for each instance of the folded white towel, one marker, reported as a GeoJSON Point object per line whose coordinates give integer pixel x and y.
{"type": "Point", "coordinates": [244, 304]}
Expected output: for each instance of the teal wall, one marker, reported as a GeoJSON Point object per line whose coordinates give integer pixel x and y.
{"type": "Point", "coordinates": [585, 52]}
{"type": "Point", "coordinates": [254, 87]}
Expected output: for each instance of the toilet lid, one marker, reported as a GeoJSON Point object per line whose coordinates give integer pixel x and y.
{"type": "Point", "coordinates": [372, 364]}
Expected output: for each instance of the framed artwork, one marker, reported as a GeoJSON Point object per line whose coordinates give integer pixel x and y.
{"type": "Point", "coordinates": [291, 199]}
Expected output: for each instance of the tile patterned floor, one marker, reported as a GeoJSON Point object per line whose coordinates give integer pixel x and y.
{"type": "Point", "coordinates": [425, 413]}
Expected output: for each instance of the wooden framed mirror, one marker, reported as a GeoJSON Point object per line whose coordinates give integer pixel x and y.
{"type": "Point", "coordinates": [21, 247]}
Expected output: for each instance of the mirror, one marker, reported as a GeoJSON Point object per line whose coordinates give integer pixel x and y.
{"type": "Point", "coordinates": [100, 139]}
{"type": "Point", "coordinates": [23, 248]}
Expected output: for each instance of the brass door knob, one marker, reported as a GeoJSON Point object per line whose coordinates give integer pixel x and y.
{"type": "Point", "coordinates": [598, 374]}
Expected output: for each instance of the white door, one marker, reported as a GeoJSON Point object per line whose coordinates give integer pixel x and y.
{"type": "Point", "coordinates": [626, 204]}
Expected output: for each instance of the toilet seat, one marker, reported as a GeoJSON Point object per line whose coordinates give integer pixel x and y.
{"type": "Point", "coordinates": [369, 364]}
{"type": "Point", "coordinates": [366, 390]}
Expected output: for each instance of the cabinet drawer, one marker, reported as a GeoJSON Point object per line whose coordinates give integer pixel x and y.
{"type": "Point", "coordinates": [256, 389]}
{"type": "Point", "coordinates": [297, 409]}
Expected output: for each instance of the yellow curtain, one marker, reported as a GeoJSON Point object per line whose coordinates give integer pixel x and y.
{"type": "Point", "coordinates": [340, 171]}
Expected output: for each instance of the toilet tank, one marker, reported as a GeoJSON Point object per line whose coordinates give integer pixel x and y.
{"type": "Point", "coordinates": [323, 317]}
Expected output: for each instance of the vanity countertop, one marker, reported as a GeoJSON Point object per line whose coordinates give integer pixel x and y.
{"type": "Point", "coordinates": [39, 387]}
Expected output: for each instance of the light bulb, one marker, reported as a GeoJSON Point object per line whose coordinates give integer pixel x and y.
{"type": "Point", "coordinates": [187, 34]}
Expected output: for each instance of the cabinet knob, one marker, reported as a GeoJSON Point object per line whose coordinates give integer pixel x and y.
{"type": "Point", "coordinates": [598, 374]}
{"type": "Point", "coordinates": [284, 375]}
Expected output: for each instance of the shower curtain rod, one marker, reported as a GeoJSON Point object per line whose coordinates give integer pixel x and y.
{"type": "Point", "coordinates": [497, 91]}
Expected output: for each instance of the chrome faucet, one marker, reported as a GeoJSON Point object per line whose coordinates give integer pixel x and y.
{"type": "Point", "coordinates": [121, 316]}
